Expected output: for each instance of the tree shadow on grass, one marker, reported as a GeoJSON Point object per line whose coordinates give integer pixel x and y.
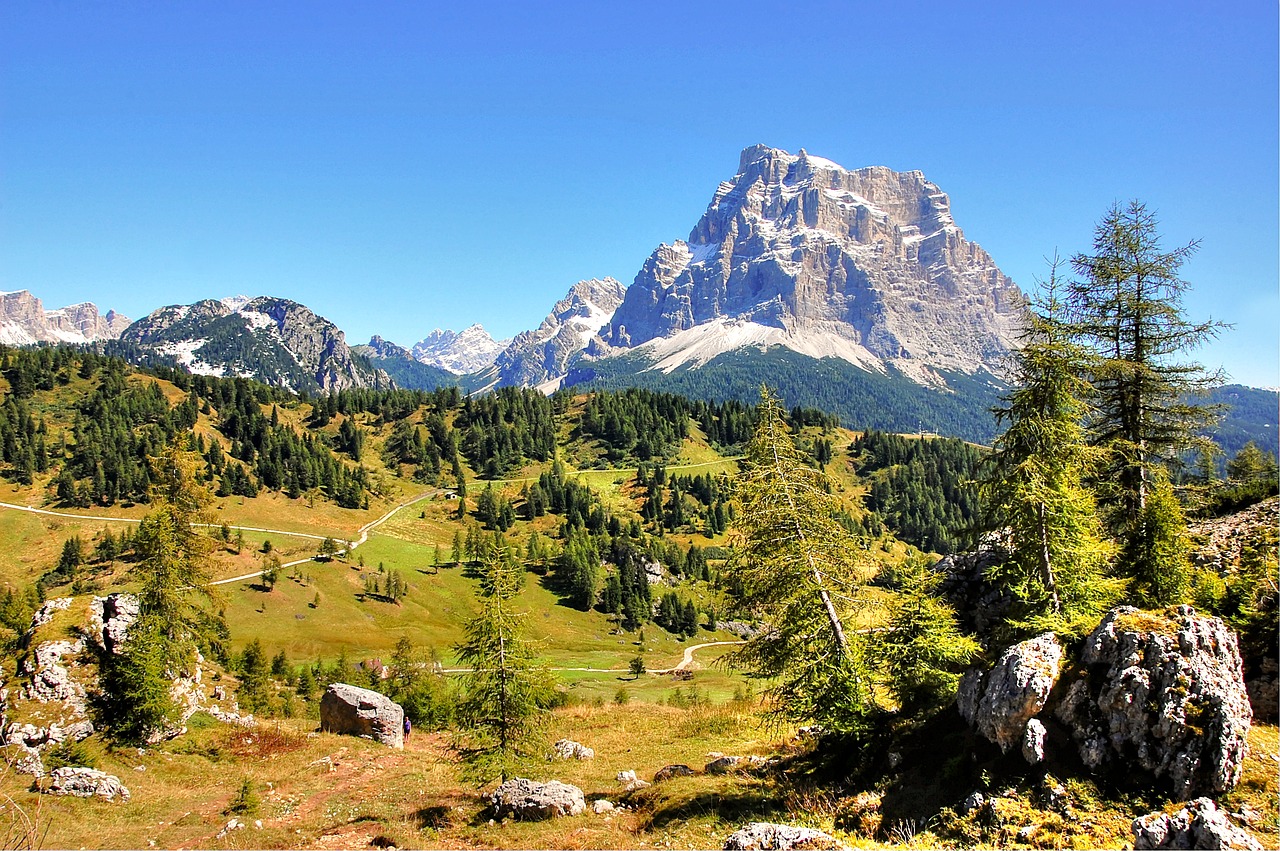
{"type": "Point", "coordinates": [674, 801]}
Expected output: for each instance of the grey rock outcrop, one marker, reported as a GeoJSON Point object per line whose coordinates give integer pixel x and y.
{"type": "Point", "coordinates": [110, 618]}
{"type": "Point", "coordinates": [44, 614]}
{"type": "Point", "coordinates": [360, 712]}
{"type": "Point", "coordinates": [667, 772]}
{"type": "Point", "coordinates": [24, 321]}
{"type": "Point", "coordinates": [979, 604]}
{"type": "Point", "coordinates": [50, 679]}
{"type": "Point", "coordinates": [543, 354]}
{"type": "Point", "coordinates": [765, 836]}
{"type": "Point", "coordinates": [1164, 693]}
{"type": "Point", "coordinates": [1200, 824]}
{"type": "Point", "coordinates": [529, 800]}
{"type": "Point", "coordinates": [569, 749]}
{"type": "Point", "coordinates": [86, 783]}
{"type": "Point", "coordinates": [864, 264]}
{"type": "Point", "coordinates": [999, 703]}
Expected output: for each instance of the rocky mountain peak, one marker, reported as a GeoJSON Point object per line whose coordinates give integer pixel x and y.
{"type": "Point", "coordinates": [543, 354]}
{"type": "Point", "coordinates": [275, 340]}
{"type": "Point", "coordinates": [795, 250]}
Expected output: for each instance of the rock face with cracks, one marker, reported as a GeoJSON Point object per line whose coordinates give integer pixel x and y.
{"type": "Point", "coordinates": [360, 712]}
{"type": "Point", "coordinates": [1165, 693]}
{"type": "Point", "coordinates": [528, 800]}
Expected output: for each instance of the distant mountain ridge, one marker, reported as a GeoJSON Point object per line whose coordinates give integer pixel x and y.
{"type": "Point", "coordinates": [275, 340]}
{"type": "Point", "coordinates": [23, 321]}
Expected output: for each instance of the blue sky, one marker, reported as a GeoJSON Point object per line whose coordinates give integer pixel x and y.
{"type": "Point", "coordinates": [405, 166]}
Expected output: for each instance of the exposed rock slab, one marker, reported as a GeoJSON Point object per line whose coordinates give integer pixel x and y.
{"type": "Point", "coordinates": [86, 783]}
{"type": "Point", "coordinates": [359, 711]}
{"type": "Point", "coordinates": [529, 800]}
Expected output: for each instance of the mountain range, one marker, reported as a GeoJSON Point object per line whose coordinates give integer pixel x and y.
{"type": "Point", "coordinates": [848, 289]}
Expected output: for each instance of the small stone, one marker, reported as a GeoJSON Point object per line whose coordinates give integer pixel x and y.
{"type": "Point", "coordinates": [971, 803]}
{"type": "Point", "coordinates": [601, 806]}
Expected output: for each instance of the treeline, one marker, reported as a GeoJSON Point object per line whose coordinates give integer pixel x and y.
{"type": "Point", "coordinates": [643, 424]}
{"type": "Point", "coordinates": [921, 489]}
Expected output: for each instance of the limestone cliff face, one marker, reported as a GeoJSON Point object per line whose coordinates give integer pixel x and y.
{"type": "Point", "coordinates": [275, 340]}
{"type": "Point", "coordinates": [23, 320]}
{"type": "Point", "coordinates": [543, 354]}
{"type": "Point", "coordinates": [863, 264]}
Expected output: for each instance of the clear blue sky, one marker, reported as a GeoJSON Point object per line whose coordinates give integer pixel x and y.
{"type": "Point", "coordinates": [405, 166]}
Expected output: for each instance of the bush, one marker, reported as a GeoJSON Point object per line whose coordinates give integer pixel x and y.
{"type": "Point", "coordinates": [246, 801]}
{"type": "Point", "coordinates": [69, 754]}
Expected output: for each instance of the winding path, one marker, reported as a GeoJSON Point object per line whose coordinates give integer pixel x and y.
{"type": "Point", "coordinates": [351, 545]}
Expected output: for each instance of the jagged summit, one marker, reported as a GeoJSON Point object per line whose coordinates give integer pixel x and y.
{"type": "Point", "coordinates": [866, 265]}
{"type": "Point", "coordinates": [543, 354]}
{"type": "Point", "coordinates": [469, 350]}
{"type": "Point", "coordinates": [274, 340]}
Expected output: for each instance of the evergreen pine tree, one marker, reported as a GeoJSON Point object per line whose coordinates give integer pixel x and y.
{"type": "Point", "coordinates": [1128, 310]}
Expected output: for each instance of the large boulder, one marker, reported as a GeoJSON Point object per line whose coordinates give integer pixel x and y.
{"type": "Point", "coordinates": [1163, 692]}
{"type": "Point", "coordinates": [1200, 824]}
{"type": "Point", "coordinates": [999, 703]}
{"type": "Point", "coordinates": [765, 836]}
{"type": "Point", "coordinates": [360, 712]}
{"type": "Point", "coordinates": [530, 801]}
{"type": "Point", "coordinates": [86, 783]}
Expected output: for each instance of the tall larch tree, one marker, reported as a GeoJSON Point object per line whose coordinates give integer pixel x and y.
{"type": "Point", "coordinates": [1033, 484]}
{"type": "Point", "coordinates": [1127, 309]}
{"type": "Point", "coordinates": [804, 574]}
